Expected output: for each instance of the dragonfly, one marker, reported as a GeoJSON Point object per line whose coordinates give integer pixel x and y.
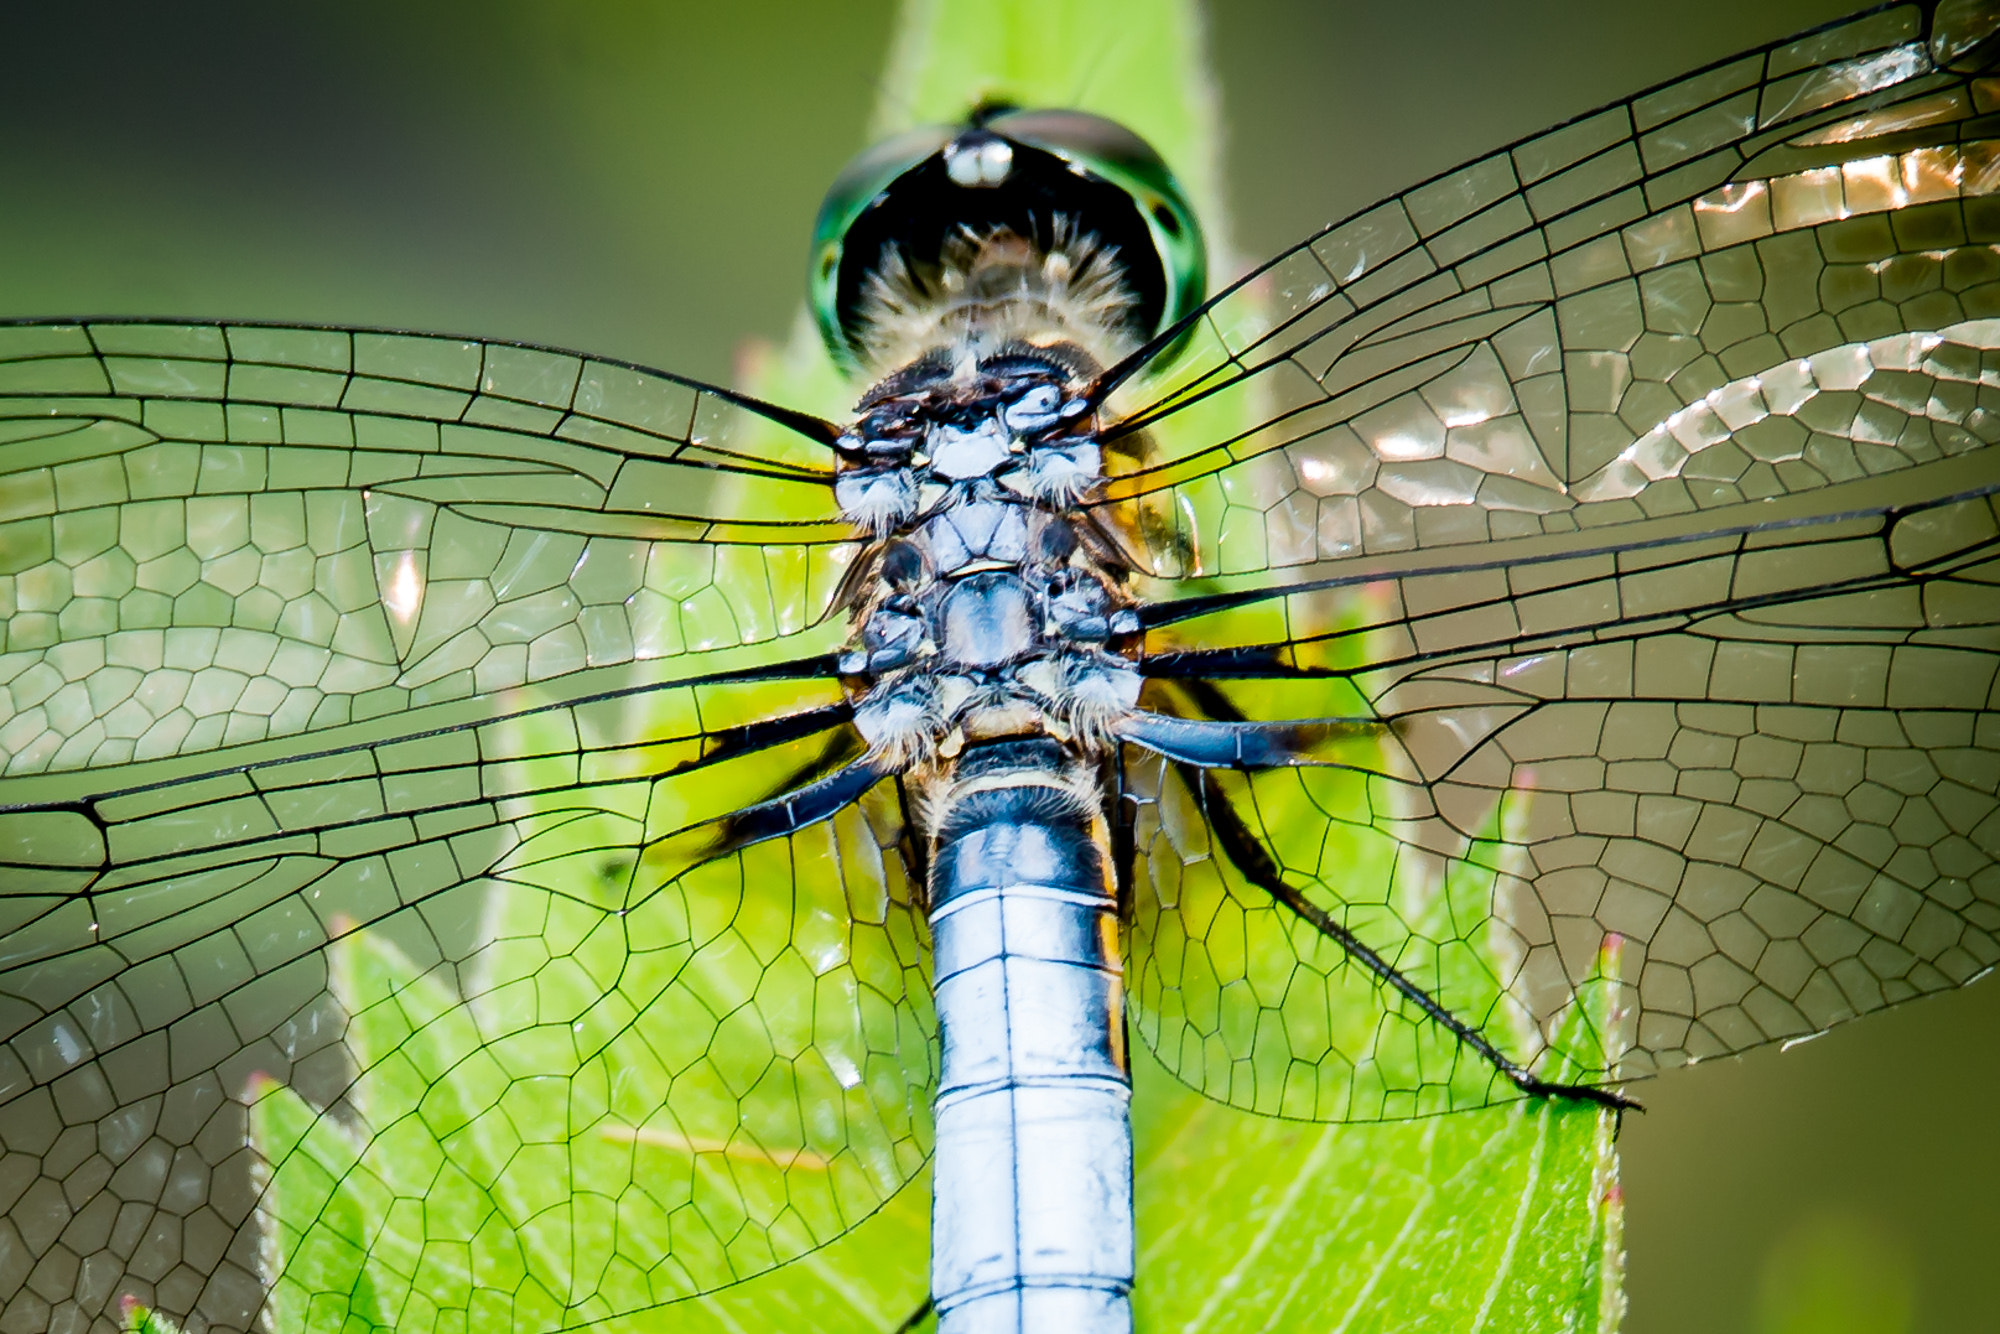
{"type": "Point", "coordinates": [528, 587]}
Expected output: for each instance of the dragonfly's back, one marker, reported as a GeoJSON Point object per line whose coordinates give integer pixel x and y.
{"type": "Point", "coordinates": [988, 289]}
{"type": "Point", "coordinates": [1033, 1188]}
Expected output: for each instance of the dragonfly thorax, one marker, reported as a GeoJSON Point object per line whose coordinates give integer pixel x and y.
{"type": "Point", "coordinates": [986, 604]}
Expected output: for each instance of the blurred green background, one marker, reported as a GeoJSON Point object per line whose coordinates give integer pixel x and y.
{"type": "Point", "coordinates": [639, 180]}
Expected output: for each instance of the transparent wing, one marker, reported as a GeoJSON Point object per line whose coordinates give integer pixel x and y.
{"type": "Point", "coordinates": [505, 1026]}
{"type": "Point", "coordinates": [1637, 482]}
{"type": "Point", "coordinates": [369, 705]}
{"type": "Point", "coordinates": [1751, 774]}
{"type": "Point", "coordinates": [1769, 277]}
{"type": "Point", "coordinates": [211, 535]}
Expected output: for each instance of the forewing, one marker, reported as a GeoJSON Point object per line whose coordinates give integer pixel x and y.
{"type": "Point", "coordinates": [1761, 280]}
{"type": "Point", "coordinates": [211, 535]}
{"type": "Point", "coordinates": [372, 705]}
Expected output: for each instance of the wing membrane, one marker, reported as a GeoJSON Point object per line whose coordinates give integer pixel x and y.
{"type": "Point", "coordinates": [1765, 279]}
{"type": "Point", "coordinates": [1765, 762]}
{"type": "Point", "coordinates": [494, 1000]}
{"type": "Point", "coordinates": [1639, 480]}
{"type": "Point", "coordinates": [210, 535]}
{"type": "Point", "coordinates": [468, 967]}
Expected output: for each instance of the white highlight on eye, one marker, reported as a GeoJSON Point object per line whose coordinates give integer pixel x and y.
{"type": "Point", "coordinates": [978, 161]}
{"type": "Point", "coordinates": [404, 593]}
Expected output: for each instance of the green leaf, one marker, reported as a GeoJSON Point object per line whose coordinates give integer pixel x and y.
{"type": "Point", "coordinates": [500, 1181]}
{"type": "Point", "coordinates": [1139, 62]}
{"type": "Point", "coordinates": [142, 1319]}
{"type": "Point", "coordinates": [1503, 1219]}
{"type": "Point", "coordinates": [868, 1282]}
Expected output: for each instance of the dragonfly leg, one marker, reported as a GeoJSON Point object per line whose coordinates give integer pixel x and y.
{"type": "Point", "coordinates": [1243, 850]}
{"type": "Point", "coordinates": [914, 1319]}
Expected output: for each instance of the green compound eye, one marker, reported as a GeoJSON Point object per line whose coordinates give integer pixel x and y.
{"type": "Point", "coordinates": [1018, 169]}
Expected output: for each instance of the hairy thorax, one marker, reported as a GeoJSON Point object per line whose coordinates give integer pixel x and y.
{"type": "Point", "coordinates": [989, 602]}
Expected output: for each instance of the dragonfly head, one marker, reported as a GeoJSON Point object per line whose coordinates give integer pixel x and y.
{"type": "Point", "coordinates": [1016, 224]}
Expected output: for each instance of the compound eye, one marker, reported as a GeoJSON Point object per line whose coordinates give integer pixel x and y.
{"type": "Point", "coordinates": [1013, 170]}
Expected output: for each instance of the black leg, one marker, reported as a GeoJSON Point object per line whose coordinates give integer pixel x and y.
{"type": "Point", "coordinates": [1248, 856]}
{"type": "Point", "coordinates": [916, 1318]}
{"type": "Point", "coordinates": [910, 847]}
{"type": "Point", "coordinates": [840, 747]}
